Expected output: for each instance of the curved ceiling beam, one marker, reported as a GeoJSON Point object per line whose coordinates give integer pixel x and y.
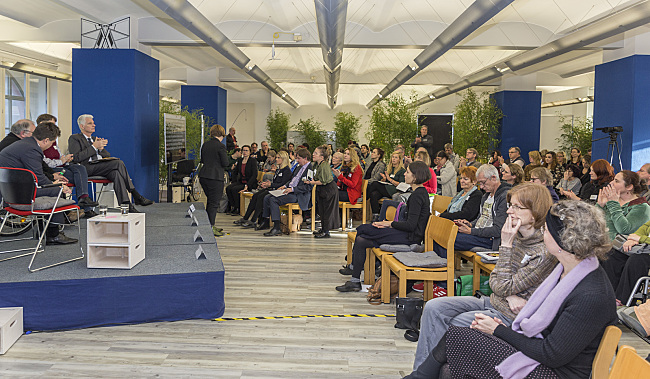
{"type": "Point", "coordinates": [612, 25]}
{"type": "Point", "coordinates": [194, 21]}
{"type": "Point", "coordinates": [471, 19]}
{"type": "Point", "coordinates": [331, 17]}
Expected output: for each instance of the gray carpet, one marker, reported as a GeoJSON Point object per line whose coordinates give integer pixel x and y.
{"type": "Point", "coordinates": [169, 250]}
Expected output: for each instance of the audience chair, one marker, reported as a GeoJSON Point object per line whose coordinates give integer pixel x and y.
{"type": "Point", "coordinates": [605, 353]}
{"type": "Point", "coordinates": [242, 201]}
{"type": "Point", "coordinates": [290, 207]}
{"type": "Point", "coordinates": [440, 203]}
{"type": "Point", "coordinates": [629, 364]}
{"type": "Point", "coordinates": [480, 266]}
{"type": "Point", "coordinates": [18, 187]}
{"type": "Point", "coordinates": [260, 176]}
{"type": "Point", "coordinates": [439, 230]}
{"type": "Point", "coordinates": [390, 215]}
{"type": "Point", "coordinates": [376, 253]}
{"type": "Point", "coordinates": [346, 206]}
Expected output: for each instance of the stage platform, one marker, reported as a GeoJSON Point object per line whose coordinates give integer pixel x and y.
{"type": "Point", "coordinates": [170, 284]}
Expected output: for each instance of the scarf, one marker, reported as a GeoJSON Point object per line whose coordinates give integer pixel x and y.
{"type": "Point", "coordinates": [459, 200]}
{"type": "Point", "coordinates": [540, 311]}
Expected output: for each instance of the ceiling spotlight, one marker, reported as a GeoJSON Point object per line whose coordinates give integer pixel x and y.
{"type": "Point", "coordinates": [284, 94]}
{"type": "Point", "coordinates": [380, 96]}
{"type": "Point", "coordinates": [414, 67]}
{"type": "Point", "coordinates": [431, 97]}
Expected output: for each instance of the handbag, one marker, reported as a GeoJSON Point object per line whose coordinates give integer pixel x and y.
{"type": "Point", "coordinates": [408, 311]}
{"type": "Point", "coordinates": [374, 292]}
{"type": "Point", "coordinates": [617, 244]}
{"type": "Point", "coordinates": [465, 285]}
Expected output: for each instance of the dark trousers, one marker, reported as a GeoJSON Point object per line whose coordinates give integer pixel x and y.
{"type": "Point", "coordinates": [213, 190]}
{"type": "Point", "coordinates": [272, 205]}
{"type": "Point", "coordinates": [256, 206]}
{"type": "Point", "coordinates": [115, 171]}
{"type": "Point", "coordinates": [232, 191]}
{"type": "Point", "coordinates": [368, 237]}
{"type": "Point", "coordinates": [77, 175]}
{"type": "Point", "coordinates": [623, 271]}
{"type": "Point", "coordinates": [464, 242]}
{"type": "Point", "coordinates": [343, 196]}
{"type": "Point", "coordinates": [376, 191]}
{"type": "Point", "coordinates": [327, 202]}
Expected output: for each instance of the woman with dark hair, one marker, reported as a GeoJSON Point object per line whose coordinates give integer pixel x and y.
{"type": "Point", "coordinates": [557, 332]}
{"type": "Point", "coordinates": [467, 203]}
{"type": "Point", "coordinates": [586, 164]}
{"type": "Point", "coordinates": [409, 231]}
{"type": "Point", "coordinates": [550, 162]}
{"type": "Point", "coordinates": [512, 174]}
{"type": "Point", "coordinates": [211, 175]}
{"type": "Point", "coordinates": [376, 167]}
{"type": "Point", "coordinates": [600, 174]}
{"type": "Point", "coordinates": [576, 157]}
{"type": "Point", "coordinates": [494, 159]}
{"type": "Point", "coordinates": [625, 212]}
{"type": "Point", "coordinates": [571, 181]}
{"type": "Point", "coordinates": [244, 179]}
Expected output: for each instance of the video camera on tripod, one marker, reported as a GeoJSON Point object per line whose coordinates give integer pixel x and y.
{"type": "Point", "coordinates": [613, 145]}
{"type": "Point", "coordinates": [611, 129]}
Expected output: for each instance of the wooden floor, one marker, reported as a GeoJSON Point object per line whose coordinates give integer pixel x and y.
{"type": "Point", "coordinates": [265, 276]}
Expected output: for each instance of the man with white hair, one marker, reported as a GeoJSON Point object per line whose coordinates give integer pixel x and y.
{"type": "Point", "coordinates": [90, 151]}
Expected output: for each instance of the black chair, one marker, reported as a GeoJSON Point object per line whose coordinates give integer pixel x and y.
{"type": "Point", "coordinates": [18, 187]}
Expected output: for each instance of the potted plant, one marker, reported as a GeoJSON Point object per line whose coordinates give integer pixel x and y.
{"type": "Point", "coordinates": [476, 124]}
{"type": "Point", "coordinates": [575, 132]}
{"type": "Point", "coordinates": [393, 121]}
{"type": "Point", "coordinates": [346, 128]}
{"type": "Point", "coordinates": [311, 131]}
{"type": "Point", "coordinates": [277, 126]}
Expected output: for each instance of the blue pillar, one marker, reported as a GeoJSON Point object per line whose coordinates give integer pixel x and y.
{"type": "Point", "coordinates": [621, 99]}
{"type": "Point", "coordinates": [119, 87]}
{"type": "Point", "coordinates": [522, 113]}
{"type": "Point", "coordinates": [212, 99]}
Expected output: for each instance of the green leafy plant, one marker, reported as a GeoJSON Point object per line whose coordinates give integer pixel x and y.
{"type": "Point", "coordinates": [192, 132]}
{"type": "Point", "coordinates": [575, 132]}
{"type": "Point", "coordinates": [277, 126]}
{"type": "Point", "coordinates": [393, 121]}
{"type": "Point", "coordinates": [312, 132]}
{"type": "Point", "coordinates": [346, 127]}
{"type": "Point", "coordinates": [476, 124]}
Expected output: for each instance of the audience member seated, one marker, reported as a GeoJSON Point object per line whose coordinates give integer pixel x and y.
{"type": "Point", "coordinates": [232, 160]}
{"type": "Point", "coordinates": [470, 158]}
{"type": "Point", "coordinates": [377, 166]}
{"type": "Point", "coordinates": [601, 174]}
{"type": "Point", "coordinates": [327, 194]}
{"type": "Point", "coordinates": [254, 151]}
{"type": "Point", "coordinates": [350, 177]}
{"type": "Point", "coordinates": [515, 156]}
{"type": "Point", "coordinates": [87, 150]}
{"type": "Point", "coordinates": [485, 231]}
{"type": "Point", "coordinates": [644, 175]}
{"type": "Point", "coordinates": [557, 333]}
{"type": "Point", "coordinates": [263, 154]}
{"type": "Point", "coordinates": [496, 159]}
{"type": "Point", "coordinates": [256, 206]}
{"type": "Point", "coordinates": [512, 174]}
{"type": "Point", "coordinates": [27, 153]}
{"type": "Point", "coordinates": [452, 157]}
{"type": "Point", "coordinates": [561, 159]}
{"type": "Point", "coordinates": [231, 140]}
{"type": "Point", "coordinates": [337, 161]}
{"type": "Point", "coordinates": [636, 266]}
{"type": "Point", "coordinates": [269, 167]}
{"type": "Point", "coordinates": [576, 157]}
{"type": "Point", "coordinates": [244, 178]}
{"type": "Point", "coordinates": [447, 177]}
{"type": "Point", "coordinates": [550, 162]}
{"type": "Point", "coordinates": [535, 158]}
{"type": "Point", "coordinates": [586, 165]}
{"type": "Point", "coordinates": [409, 231]}
{"type": "Point", "coordinates": [625, 212]}
{"type": "Point", "coordinates": [522, 266]}
{"type": "Point", "coordinates": [364, 157]}
{"type": "Point", "coordinates": [542, 175]}
{"type": "Point", "coordinates": [467, 203]}
{"type": "Point", "coordinates": [296, 191]}
{"type": "Point", "coordinates": [393, 176]}
{"type": "Point", "coordinates": [571, 181]}
{"type": "Point", "coordinates": [431, 186]}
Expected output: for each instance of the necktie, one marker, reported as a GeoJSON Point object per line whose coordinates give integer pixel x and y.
{"type": "Point", "coordinates": [94, 157]}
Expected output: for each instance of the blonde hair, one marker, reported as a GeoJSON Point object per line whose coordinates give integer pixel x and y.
{"type": "Point", "coordinates": [424, 157]}
{"type": "Point", "coordinates": [534, 197]}
{"type": "Point", "coordinates": [354, 159]}
{"type": "Point", "coordinates": [536, 157]}
{"type": "Point", "coordinates": [400, 165]}
{"type": "Point", "coordinates": [285, 158]}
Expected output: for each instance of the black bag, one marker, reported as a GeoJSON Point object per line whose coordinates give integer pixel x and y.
{"type": "Point", "coordinates": [408, 312]}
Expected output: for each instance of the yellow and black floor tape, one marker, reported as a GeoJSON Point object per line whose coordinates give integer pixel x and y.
{"type": "Point", "coordinates": [300, 316]}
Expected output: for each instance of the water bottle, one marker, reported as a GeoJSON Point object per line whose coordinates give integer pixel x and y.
{"type": "Point", "coordinates": [350, 223]}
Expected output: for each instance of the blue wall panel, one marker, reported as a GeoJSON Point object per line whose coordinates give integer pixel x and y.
{"type": "Point", "coordinates": [212, 99]}
{"type": "Point", "coordinates": [621, 100]}
{"type": "Point", "coordinates": [119, 87]}
{"type": "Point", "coordinates": [521, 120]}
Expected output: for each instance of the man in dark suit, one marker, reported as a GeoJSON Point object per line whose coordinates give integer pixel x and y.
{"type": "Point", "coordinates": [231, 140]}
{"type": "Point", "coordinates": [28, 154]}
{"type": "Point", "coordinates": [296, 191]}
{"type": "Point", "coordinates": [19, 130]}
{"type": "Point", "coordinates": [90, 151]}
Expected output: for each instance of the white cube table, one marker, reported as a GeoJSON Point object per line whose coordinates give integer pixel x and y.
{"type": "Point", "coordinates": [116, 241]}
{"type": "Point", "coordinates": [11, 327]}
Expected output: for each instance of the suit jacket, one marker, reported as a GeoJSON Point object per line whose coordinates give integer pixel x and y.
{"type": "Point", "coordinates": [250, 173]}
{"type": "Point", "coordinates": [231, 143]}
{"type": "Point", "coordinates": [82, 150]}
{"type": "Point", "coordinates": [28, 155]}
{"type": "Point", "coordinates": [302, 190]}
{"type": "Point", "coordinates": [214, 159]}
{"type": "Point", "coordinates": [10, 139]}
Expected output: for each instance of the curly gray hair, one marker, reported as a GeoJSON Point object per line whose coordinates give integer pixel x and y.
{"type": "Point", "coordinates": [585, 230]}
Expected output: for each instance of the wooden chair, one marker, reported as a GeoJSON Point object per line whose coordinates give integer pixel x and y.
{"type": "Point", "coordinates": [440, 203]}
{"type": "Point", "coordinates": [346, 206]}
{"type": "Point", "coordinates": [605, 353]}
{"type": "Point", "coordinates": [480, 266]}
{"type": "Point", "coordinates": [376, 253]}
{"type": "Point", "coordinates": [629, 364]}
{"type": "Point", "coordinates": [242, 201]}
{"type": "Point", "coordinates": [390, 215]}
{"type": "Point", "coordinates": [439, 230]}
{"type": "Point", "coordinates": [290, 207]}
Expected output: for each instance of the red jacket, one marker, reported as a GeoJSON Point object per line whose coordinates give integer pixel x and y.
{"type": "Point", "coordinates": [354, 182]}
{"type": "Point", "coordinates": [432, 184]}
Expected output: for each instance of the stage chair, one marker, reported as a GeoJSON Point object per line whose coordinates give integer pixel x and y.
{"type": "Point", "coordinates": [440, 203]}
{"type": "Point", "coordinates": [629, 364]}
{"type": "Point", "coordinates": [439, 230]}
{"type": "Point", "coordinates": [94, 181]}
{"type": "Point", "coordinates": [346, 206]}
{"type": "Point", "coordinates": [18, 187]}
{"type": "Point", "coordinates": [605, 353]}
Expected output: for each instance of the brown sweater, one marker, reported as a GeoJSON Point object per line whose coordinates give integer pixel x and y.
{"type": "Point", "coordinates": [512, 277]}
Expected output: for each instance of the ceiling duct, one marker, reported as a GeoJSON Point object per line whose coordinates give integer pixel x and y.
{"type": "Point", "coordinates": [194, 21]}
{"type": "Point", "coordinates": [331, 18]}
{"type": "Point", "coordinates": [471, 19]}
{"type": "Point", "coordinates": [615, 24]}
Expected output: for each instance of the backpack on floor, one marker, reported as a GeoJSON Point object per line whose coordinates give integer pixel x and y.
{"type": "Point", "coordinates": [465, 285]}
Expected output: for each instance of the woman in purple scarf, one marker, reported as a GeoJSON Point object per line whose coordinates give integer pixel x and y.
{"type": "Point", "coordinates": [557, 332]}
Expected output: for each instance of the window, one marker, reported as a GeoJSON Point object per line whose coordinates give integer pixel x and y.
{"type": "Point", "coordinates": [14, 98]}
{"type": "Point", "coordinates": [37, 96]}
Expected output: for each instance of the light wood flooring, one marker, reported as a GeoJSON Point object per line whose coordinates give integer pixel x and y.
{"type": "Point", "coordinates": [265, 276]}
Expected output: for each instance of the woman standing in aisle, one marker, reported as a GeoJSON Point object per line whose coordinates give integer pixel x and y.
{"type": "Point", "coordinates": [327, 194]}
{"type": "Point", "coordinates": [214, 159]}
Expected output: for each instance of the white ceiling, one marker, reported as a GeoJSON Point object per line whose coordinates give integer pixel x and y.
{"type": "Point", "coordinates": [381, 38]}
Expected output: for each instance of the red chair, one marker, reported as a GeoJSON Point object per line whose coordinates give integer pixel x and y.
{"type": "Point", "coordinates": [18, 187]}
{"type": "Point", "coordinates": [95, 180]}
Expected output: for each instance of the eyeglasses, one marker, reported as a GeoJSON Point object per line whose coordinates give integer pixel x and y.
{"type": "Point", "coordinates": [532, 180]}
{"type": "Point", "coordinates": [515, 207]}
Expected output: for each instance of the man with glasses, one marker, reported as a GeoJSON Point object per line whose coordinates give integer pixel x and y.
{"type": "Point", "coordinates": [515, 156]}
{"type": "Point", "coordinates": [19, 130]}
{"type": "Point", "coordinates": [470, 158]}
{"type": "Point", "coordinates": [483, 233]}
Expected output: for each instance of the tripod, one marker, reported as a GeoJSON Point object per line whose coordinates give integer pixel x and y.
{"type": "Point", "coordinates": [611, 146]}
